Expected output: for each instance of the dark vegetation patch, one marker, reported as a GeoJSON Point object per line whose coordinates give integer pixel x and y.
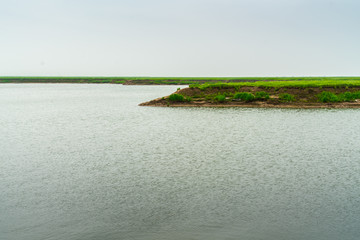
{"type": "Point", "coordinates": [286, 97]}
{"type": "Point", "coordinates": [327, 97]}
{"type": "Point", "coordinates": [220, 98]}
{"type": "Point", "coordinates": [262, 95]}
{"type": "Point", "coordinates": [245, 96]}
{"type": "Point", "coordinates": [176, 98]}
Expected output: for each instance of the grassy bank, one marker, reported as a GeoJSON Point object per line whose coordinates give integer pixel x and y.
{"type": "Point", "coordinates": [194, 81]}
{"type": "Point", "coordinates": [302, 94]}
{"type": "Point", "coordinates": [327, 82]}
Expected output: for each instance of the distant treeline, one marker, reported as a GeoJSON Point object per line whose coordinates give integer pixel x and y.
{"type": "Point", "coordinates": [160, 80]}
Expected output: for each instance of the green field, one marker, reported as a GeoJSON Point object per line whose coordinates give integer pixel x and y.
{"type": "Point", "coordinates": [301, 83]}
{"type": "Point", "coordinates": [173, 80]}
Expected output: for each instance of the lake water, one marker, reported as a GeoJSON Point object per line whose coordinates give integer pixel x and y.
{"type": "Point", "coordinates": [85, 162]}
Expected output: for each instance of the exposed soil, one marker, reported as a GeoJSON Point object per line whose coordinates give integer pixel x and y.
{"type": "Point", "coordinates": [304, 98]}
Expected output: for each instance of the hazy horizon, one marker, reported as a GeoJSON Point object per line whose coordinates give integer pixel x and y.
{"type": "Point", "coordinates": [199, 38]}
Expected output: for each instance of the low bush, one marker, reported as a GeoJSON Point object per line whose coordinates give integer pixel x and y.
{"type": "Point", "coordinates": [346, 97]}
{"type": "Point", "coordinates": [176, 97]}
{"type": "Point", "coordinates": [286, 97]}
{"type": "Point", "coordinates": [220, 98]}
{"type": "Point", "coordinates": [349, 96]}
{"type": "Point", "coordinates": [356, 95]}
{"type": "Point", "coordinates": [328, 97]}
{"type": "Point", "coordinates": [248, 97]}
{"type": "Point", "coordinates": [262, 95]}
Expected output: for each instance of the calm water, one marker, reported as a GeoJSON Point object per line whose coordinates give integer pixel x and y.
{"type": "Point", "coordinates": [85, 162]}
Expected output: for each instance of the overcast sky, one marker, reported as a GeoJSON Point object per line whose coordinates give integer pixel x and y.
{"type": "Point", "coordinates": [180, 37]}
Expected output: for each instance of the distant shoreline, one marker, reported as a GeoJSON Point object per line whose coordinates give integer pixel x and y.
{"type": "Point", "coordinates": [160, 80]}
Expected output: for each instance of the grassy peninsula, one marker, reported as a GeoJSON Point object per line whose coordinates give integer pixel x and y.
{"type": "Point", "coordinates": [313, 93]}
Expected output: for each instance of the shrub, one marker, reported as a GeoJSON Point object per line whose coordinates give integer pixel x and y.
{"type": "Point", "coordinates": [262, 95]}
{"type": "Point", "coordinates": [287, 97]}
{"type": "Point", "coordinates": [346, 97]}
{"type": "Point", "coordinates": [176, 98]}
{"type": "Point", "coordinates": [245, 96]}
{"type": "Point", "coordinates": [349, 96]}
{"type": "Point", "coordinates": [328, 97]}
{"type": "Point", "coordinates": [220, 98]}
{"type": "Point", "coordinates": [356, 95]}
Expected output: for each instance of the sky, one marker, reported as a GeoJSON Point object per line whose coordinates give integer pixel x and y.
{"type": "Point", "coordinates": [221, 38]}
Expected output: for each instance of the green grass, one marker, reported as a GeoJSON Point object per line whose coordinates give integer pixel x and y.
{"type": "Point", "coordinates": [327, 97]}
{"type": "Point", "coordinates": [245, 96]}
{"type": "Point", "coordinates": [286, 97]}
{"type": "Point", "coordinates": [176, 98]}
{"type": "Point", "coordinates": [262, 95]}
{"type": "Point", "coordinates": [188, 99]}
{"type": "Point", "coordinates": [349, 96]}
{"type": "Point", "coordinates": [281, 84]}
{"type": "Point", "coordinates": [220, 98]}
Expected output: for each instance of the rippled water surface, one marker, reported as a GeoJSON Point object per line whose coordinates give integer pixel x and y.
{"type": "Point", "coordinates": [85, 162]}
